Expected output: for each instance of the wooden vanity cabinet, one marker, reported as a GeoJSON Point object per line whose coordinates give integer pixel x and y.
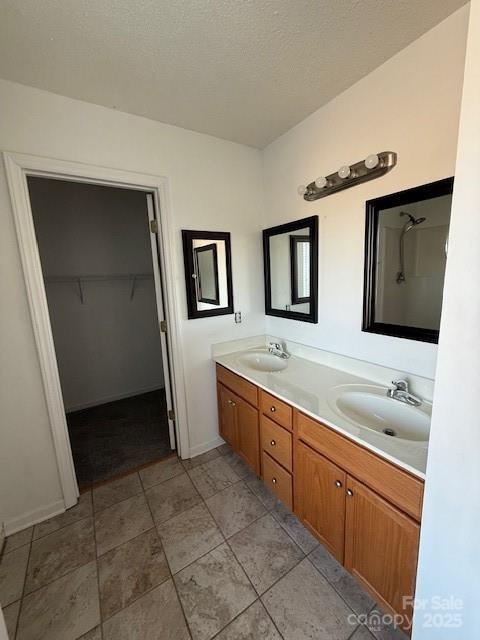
{"type": "Point", "coordinates": [364, 509]}
{"type": "Point", "coordinates": [381, 546]}
{"type": "Point", "coordinates": [320, 498]}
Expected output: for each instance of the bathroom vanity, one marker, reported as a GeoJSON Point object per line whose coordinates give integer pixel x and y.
{"type": "Point", "coordinates": [357, 490]}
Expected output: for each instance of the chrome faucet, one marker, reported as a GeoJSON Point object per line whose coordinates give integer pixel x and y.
{"type": "Point", "coordinates": [400, 392]}
{"type": "Point", "coordinates": [276, 349]}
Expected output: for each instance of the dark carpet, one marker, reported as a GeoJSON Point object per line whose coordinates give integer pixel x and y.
{"type": "Point", "coordinates": [111, 439]}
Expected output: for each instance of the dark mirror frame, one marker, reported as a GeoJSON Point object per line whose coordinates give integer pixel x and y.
{"type": "Point", "coordinates": [188, 259]}
{"type": "Point", "coordinates": [310, 223]}
{"type": "Point", "coordinates": [201, 298]}
{"type": "Point", "coordinates": [373, 207]}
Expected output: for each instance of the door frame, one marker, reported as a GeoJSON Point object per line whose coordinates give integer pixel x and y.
{"type": "Point", "coordinates": [18, 166]}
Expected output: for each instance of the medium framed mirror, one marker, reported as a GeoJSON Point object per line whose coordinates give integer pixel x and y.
{"type": "Point", "coordinates": [290, 253]}
{"type": "Point", "coordinates": [406, 246]}
{"type": "Point", "coordinates": [208, 273]}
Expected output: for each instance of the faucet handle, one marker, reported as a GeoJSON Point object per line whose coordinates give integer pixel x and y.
{"type": "Point", "coordinates": [400, 385]}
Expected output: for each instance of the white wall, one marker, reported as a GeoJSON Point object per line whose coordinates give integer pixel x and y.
{"type": "Point", "coordinates": [449, 563]}
{"type": "Point", "coordinates": [108, 347]}
{"type": "Point", "coordinates": [213, 185]}
{"type": "Point", "coordinates": [410, 105]}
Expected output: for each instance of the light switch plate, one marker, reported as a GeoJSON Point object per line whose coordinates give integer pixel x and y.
{"type": "Point", "coordinates": [238, 317]}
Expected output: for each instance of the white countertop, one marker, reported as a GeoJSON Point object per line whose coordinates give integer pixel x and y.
{"type": "Point", "coordinates": [306, 385]}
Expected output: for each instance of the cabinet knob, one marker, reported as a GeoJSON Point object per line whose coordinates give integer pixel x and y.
{"type": "Point", "coordinates": [234, 404]}
{"type": "Point", "coordinates": [273, 443]}
{"type": "Point", "coordinates": [338, 484]}
{"type": "Point", "coordinates": [349, 492]}
{"type": "Point", "coordinates": [274, 481]}
{"type": "Point", "coordinates": [273, 409]}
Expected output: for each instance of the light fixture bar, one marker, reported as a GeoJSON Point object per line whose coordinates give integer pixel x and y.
{"type": "Point", "coordinates": [374, 166]}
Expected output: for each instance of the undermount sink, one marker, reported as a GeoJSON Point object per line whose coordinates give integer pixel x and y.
{"type": "Point", "coordinates": [371, 408]}
{"type": "Point", "coordinates": [263, 361]}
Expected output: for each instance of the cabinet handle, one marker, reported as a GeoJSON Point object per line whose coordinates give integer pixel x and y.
{"type": "Point", "coordinates": [274, 481]}
{"type": "Point", "coordinates": [349, 492]}
{"type": "Point", "coordinates": [273, 443]}
{"type": "Point", "coordinates": [273, 409]}
{"type": "Point", "coordinates": [338, 484]}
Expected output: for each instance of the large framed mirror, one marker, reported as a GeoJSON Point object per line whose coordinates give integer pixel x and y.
{"type": "Point", "coordinates": [406, 246]}
{"type": "Point", "coordinates": [208, 273]}
{"type": "Point", "coordinates": [290, 253]}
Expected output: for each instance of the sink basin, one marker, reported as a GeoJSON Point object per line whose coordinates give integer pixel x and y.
{"type": "Point", "coordinates": [263, 361]}
{"type": "Point", "coordinates": [370, 407]}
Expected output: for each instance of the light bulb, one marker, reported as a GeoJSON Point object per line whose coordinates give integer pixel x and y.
{"type": "Point", "coordinates": [344, 171]}
{"type": "Point", "coordinates": [372, 161]}
{"type": "Point", "coordinates": [302, 190]}
{"type": "Point", "coordinates": [321, 182]}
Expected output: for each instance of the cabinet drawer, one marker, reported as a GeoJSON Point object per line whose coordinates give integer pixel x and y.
{"type": "Point", "coordinates": [277, 442]}
{"type": "Point", "coordinates": [394, 484]}
{"type": "Point", "coordinates": [238, 385]}
{"type": "Point", "coordinates": [275, 409]}
{"type": "Point", "coordinates": [277, 480]}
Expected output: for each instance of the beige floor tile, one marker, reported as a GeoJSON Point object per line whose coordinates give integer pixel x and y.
{"type": "Point", "coordinates": [213, 476]}
{"type": "Point", "coordinates": [213, 591]}
{"type": "Point", "coordinates": [223, 449]}
{"type": "Point", "coordinates": [294, 527]}
{"type": "Point", "coordinates": [155, 616]}
{"type": "Point", "coordinates": [252, 624]}
{"type": "Point", "coordinates": [161, 471]}
{"type": "Point", "coordinates": [94, 634]}
{"type": "Point", "coordinates": [350, 590]}
{"type": "Point", "coordinates": [235, 508]}
{"type": "Point", "coordinates": [192, 463]}
{"type": "Point", "coordinates": [58, 553]}
{"type": "Point", "coordinates": [127, 572]}
{"type": "Point", "coordinates": [240, 467]}
{"type": "Point", "coordinates": [116, 491]}
{"type": "Point", "coordinates": [303, 605]}
{"type": "Point", "coordinates": [10, 614]}
{"type": "Point", "coordinates": [266, 552]}
{"type": "Point", "coordinates": [259, 488]}
{"type": "Point", "coordinates": [18, 539]}
{"type": "Point", "coordinates": [172, 497]}
{"type": "Point", "coordinates": [63, 610]}
{"type": "Point", "coordinates": [188, 536]}
{"type": "Point", "coordinates": [81, 510]}
{"type": "Point", "coordinates": [13, 568]}
{"type": "Point", "coordinates": [121, 522]}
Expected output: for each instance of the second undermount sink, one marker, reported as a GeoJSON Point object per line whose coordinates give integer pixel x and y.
{"type": "Point", "coordinates": [263, 361]}
{"type": "Point", "coordinates": [369, 406]}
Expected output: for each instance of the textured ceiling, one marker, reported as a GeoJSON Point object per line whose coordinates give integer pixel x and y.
{"type": "Point", "coordinates": [244, 70]}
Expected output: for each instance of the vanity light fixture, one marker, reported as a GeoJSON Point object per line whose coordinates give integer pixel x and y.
{"type": "Point", "coordinates": [374, 166]}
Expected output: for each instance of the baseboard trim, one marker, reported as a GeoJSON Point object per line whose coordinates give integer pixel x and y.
{"type": "Point", "coordinates": [206, 446]}
{"type": "Point", "coordinates": [34, 517]}
{"type": "Point", "coordinates": [107, 399]}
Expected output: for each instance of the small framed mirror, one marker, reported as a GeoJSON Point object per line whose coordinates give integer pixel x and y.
{"type": "Point", "coordinates": [208, 273]}
{"type": "Point", "coordinates": [406, 245]}
{"type": "Point", "coordinates": [290, 253]}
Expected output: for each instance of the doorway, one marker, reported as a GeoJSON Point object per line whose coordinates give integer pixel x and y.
{"type": "Point", "coordinates": [101, 273]}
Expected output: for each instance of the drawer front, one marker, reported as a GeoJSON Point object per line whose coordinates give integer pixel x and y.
{"type": "Point", "coordinates": [238, 385]}
{"type": "Point", "coordinates": [277, 410]}
{"type": "Point", "coordinates": [277, 442]}
{"type": "Point", "coordinates": [394, 484]}
{"type": "Point", "coordinates": [277, 480]}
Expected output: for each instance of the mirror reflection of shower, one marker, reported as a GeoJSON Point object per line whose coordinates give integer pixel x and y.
{"type": "Point", "coordinates": [409, 225]}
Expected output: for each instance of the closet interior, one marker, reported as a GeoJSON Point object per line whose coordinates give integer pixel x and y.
{"type": "Point", "coordinates": [97, 264]}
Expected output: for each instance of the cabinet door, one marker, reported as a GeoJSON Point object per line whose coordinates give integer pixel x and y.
{"type": "Point", "coordinates": [381, 546]}
{"type": "Point", "coordinates": [248, 436]}
{"type": "Point", "coordinates": [320, 498]}
{"type": "Point", "coordinates": [226, 416]}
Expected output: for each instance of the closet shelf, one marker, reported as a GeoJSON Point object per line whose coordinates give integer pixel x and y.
{"type": "Point", "coordinates": [79, 280]}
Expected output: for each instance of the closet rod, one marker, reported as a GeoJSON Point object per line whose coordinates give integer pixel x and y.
{"type": "Point", "coordinates": [80, 279]}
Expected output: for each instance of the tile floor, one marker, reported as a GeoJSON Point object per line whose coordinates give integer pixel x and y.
{"type": "Point", "coordinates": [182, 550]}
